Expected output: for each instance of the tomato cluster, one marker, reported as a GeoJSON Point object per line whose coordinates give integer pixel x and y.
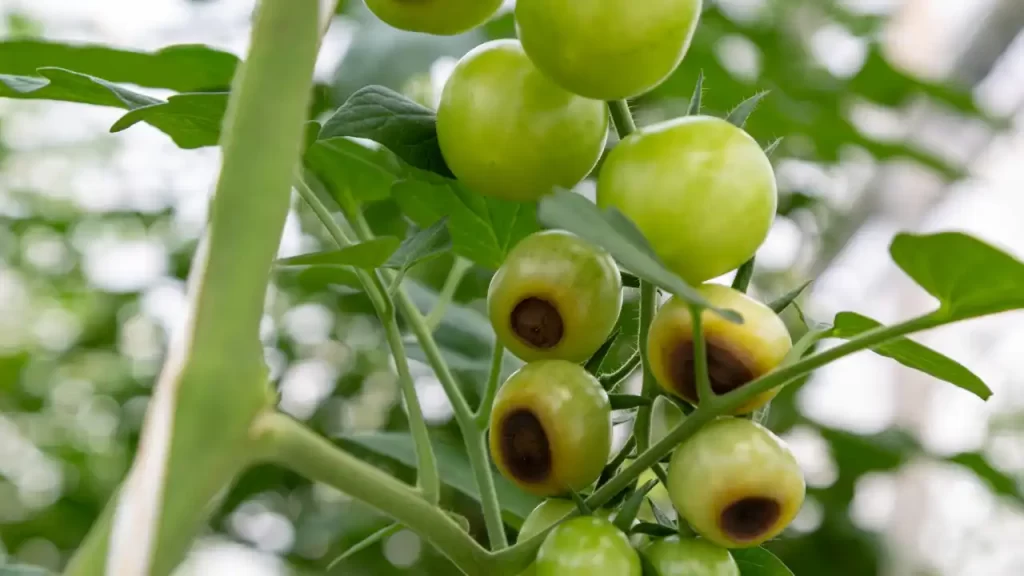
{"type": "Point", "coordinates": [519, 118]}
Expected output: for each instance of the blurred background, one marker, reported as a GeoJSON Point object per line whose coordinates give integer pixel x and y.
{"type": "Point", "coordinates": [896, 115]}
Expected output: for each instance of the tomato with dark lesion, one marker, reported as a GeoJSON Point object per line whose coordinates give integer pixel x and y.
{"type": "Point", "coordinates": [555, 297]}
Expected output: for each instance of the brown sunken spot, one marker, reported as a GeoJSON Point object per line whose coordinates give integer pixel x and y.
{"type": "Point", "coordinates": [524, 446]}
{"type": "Point", "coordinates": [537, 322]}
{"type": "Point", "coordinates": [749, 518]}
{"type": "Point", "coordinates": [726, 371]}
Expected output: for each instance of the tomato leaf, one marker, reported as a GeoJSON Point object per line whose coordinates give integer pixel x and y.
{"type": "Point", "coordinates": [191, 120]}
{"type": "Point", "coordinates": [182, 68]}
{"type": "Point", "coordinates": [627, 513]}
{"type": "Point", "coordinates": [782, 302]}
{"type": "Point", "coordinates": [594, 362]}
{"type": "Point", "coordinates": [422, 245]}
{"type": "Point", "coordinates": [454, 468]}
{"type": "Point", "coordinates": [405, 127]}
{"type": "Point", "coordinates": [652, 529]}
{"type": "Point", "coordinates": [364, 168]}
{"type": "Point", "coordinates": [608, 229]}
{"type": "Point", "coordinates": [698, 92]}
{"type": "Point", "coordinates": [68, 86]}
{"type": "Point", "coordinates": [999, 482]}
{"type": "Point", "coordinates": [848, 325]}
{"type": "Point", "coordinates": [367, 255]}
{"type": "Point", "coordinates": [969, 277]}
{"type": "Point", "coordinates": [739, 115]}
{"type": "Point", "coordinates": [482, 229]}
{"type": "Point", "coordinates": [759, 562]}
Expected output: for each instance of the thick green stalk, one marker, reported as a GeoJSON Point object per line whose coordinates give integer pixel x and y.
{"type": "Point", "coordinates": [213, 383]}
{"type": "Point", "coordinates": [289, 444]}
{"type": "Point", "coordinates": [483, 413]}
{"type": "Point", "coordinates": [426, 462]}
{"type": "Point", "coordinates": [476, 447]}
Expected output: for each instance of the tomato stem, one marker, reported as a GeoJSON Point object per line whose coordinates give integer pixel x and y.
{"type": "Point", "coordinates": [705, 393]}
{"type": "Point", "coordinates": [483, 413]}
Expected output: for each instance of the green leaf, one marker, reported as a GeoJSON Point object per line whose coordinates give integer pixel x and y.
{"type": "Point", "coordinates": [627, 513]}
{"type": "Point", "coordinates": [454, 468]}
{"type": "Point", "coordinates": [581, 504]}
{"type": "Point", "coordinates": [407, 128]}
{"type": "Point", "coordinates": [999, 482]}
{"type": "Point", "coordinates": [365, 543]}
{"type": "Point", "coordinates": [572, 212]}
{"type": "Point", "coordinates": [782, 302]}
{"type": "Point", "coordinates": [594, 362]}
{"type": "Point", "coordinates": [661, 517]}
{"type": "Point", "coordinates": [68, 86]}
{"type": "Point", "coordinates": [739, 114]}
{"type": "Point", "coordinates": [772, 146]}
{"type": "Point", "coordinates": [182, 68]}
{"type": "Point", "coordinates": [482, 229]}
{"type": "Point", "coordinates": [759, 562]}
{"type": "Point", "coordinates": [191, 120]}
{"type": "Point", "coordinates": [627, 401]}
{"type": "Point", "coordinates": [698, 92]}
{"type": "Point", "coordinates": [367, 255]}
{"type": "Point", "coordinates": [848, 325]}
{"type": "Point", "coordinates": [365, 168]}
{"type": "Point", "coordinates": [422, 245]}
{"type": "Point", "coordinates": [969, 277]}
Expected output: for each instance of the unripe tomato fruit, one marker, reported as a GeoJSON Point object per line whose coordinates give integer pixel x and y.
{"type": "Point", "coordinates": [736, 353]}
{"type": "Point", "coordinates": [441, 17]}
{"type": "Point", "coordinates": [551, 428]}
{"type": "Point", "coordinates": [700, 189]}
{"type": "Point", "coordinates": [736, 483]}
{"type": "Point", "coordinates": [545, 515]}
{"type": "Point", "coordinates": [587, 546]}
{"type": "Point", "coordinates": [674, 556]}
{"type": "Point", "coordinates": [555, 297]}
{"type": "Point", "coordinates": [507, 131]}
{"type": "Point", "coordinates": [607, 49]}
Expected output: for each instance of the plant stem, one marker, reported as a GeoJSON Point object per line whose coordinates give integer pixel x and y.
{"type": "Point", "coordinates": [213, 382]}
{"type": "Point", "coordinates": [483, 412]}
{"type": "Point", "coordinates": [428, 476]}
{"type": "Point", "coordinates": [476, 448]}
{"type": "Point", "coordinates": [459, 269]}
{"type": "Point", "coordinates": [289, 444]}
{"type": "Point", "coordinates": [742, 280]}
{"type": "Point", "coordinates": [705, 393]}
{"type": "Point", "coordinates": [621, 116]}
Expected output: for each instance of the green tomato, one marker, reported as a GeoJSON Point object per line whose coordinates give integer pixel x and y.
{"type": "Point", "coordinates": [508, 132]}
{"type": "Point", "coordinates": [700, 190]}
{"type": "Point", "coordinates": [545, 515]}
{"type": "Point", "coordinates": [441, 17]}
{"type": "Point", "coordinates": [587, 546]}
{"type": "Point", "coordinates": [555, 297]}
{"type": "Point", "coordinates": [551, 428]}
{"type": "Point", "coordinates": [674, 556]}
{"type": "Point", "coordinates": [607, 49]}
{"type": "Point", "coordinates": [736, 483]}
{"type": "Point", "coordinates": [736, 353]}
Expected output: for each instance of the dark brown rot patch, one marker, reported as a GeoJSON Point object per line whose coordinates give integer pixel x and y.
{"type": "Point", "coordinates": [749, 518]}
{"type": "Point", "coordinates": [524, 446]}
{"type": "Point", "coordinates": [725, 370]}
{"type": "Point", "coordinates": [537, 322]}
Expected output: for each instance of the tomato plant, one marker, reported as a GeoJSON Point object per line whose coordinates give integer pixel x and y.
{"type": "Point", "coordinates": [484, 184]}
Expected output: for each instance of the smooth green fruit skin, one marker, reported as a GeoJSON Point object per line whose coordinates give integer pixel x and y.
{"type": "Point", "coordinates": [581, 280]}
{"type": "Point", "coordinates": [728, 459]}
{"type": "Point", "coordinates": [545, 515]}
{"type": "Point", "coordinates": [575, 414]}
{"type": "Point", "coordinates": [509, 132]}
{"type": "Point", "coordinates": [607, 49]}
{"type": "Point", "coordinates": [440, 17]}
{"type": "Point", "coordinates": [674, 556]}
{"type": "Point", "coordinates": [587, 546]}
{"type": "Point", "coordinates": [700, 190]}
